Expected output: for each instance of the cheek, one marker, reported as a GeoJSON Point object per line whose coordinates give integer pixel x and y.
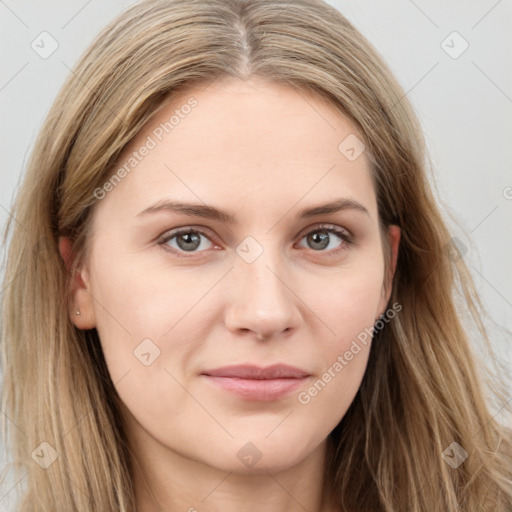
{"type": "Point", "coordinates": [349, 309]}
{"type": "Point", "coordinates": [343, 357]}
{"type": "Point", "coordinates": [145, 334]}
{"type": "Point", "coordinates": [349, 303]}
{"type": "Point", "coordinates": [141, 299]}
{"type": "Point", "coordinates": [149, 327]}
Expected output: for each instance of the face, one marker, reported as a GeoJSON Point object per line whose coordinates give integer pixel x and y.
{"type": "Point", "coordinates": [227, 326]}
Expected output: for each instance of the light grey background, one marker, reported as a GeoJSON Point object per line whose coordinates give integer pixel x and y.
{"type": "Point", "coordinates": [464, 104]}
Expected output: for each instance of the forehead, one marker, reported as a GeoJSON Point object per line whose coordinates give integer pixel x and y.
{"type": "Point", "coordinates": [249, 144]}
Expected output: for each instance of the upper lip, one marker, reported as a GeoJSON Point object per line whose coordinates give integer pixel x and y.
{"type": "Point", "coordinates": [276, 371]}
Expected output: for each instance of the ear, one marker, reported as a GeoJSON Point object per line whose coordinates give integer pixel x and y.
{"type": "Point", "coordinates": [80, 297]}
{"type": "Point", "coordinates": [394, 234]}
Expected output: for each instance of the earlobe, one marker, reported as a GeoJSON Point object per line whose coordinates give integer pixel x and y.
{"type": "Point", "coordinates": [81, 303]}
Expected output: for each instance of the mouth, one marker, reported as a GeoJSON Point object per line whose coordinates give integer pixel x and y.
{"type": "Point", "coordinates": [257, 383]}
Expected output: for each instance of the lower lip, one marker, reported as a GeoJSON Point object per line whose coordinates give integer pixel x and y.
{"type": "Point", "coordinates": [257, 389]}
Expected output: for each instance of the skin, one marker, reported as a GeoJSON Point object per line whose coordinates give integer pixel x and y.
{"type": "Point", "coordinates": [262, 151]}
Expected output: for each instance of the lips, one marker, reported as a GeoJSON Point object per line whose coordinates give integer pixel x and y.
{"type": "Point", "coordinates": [277, 371]}
{"type": "Point", "coordinates": [257, 383]}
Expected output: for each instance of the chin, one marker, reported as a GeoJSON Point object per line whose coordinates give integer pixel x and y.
{"type": "Point", "coordinates": [256, 454]}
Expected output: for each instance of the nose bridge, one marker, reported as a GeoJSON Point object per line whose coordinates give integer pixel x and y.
{"type": "Point", "coordinates": [262, 300]}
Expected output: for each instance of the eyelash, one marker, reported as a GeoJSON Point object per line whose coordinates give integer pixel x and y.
{"type": "Point", "coordinates": [341, 233]}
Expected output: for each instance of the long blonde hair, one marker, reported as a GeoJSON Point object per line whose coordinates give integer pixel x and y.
{"type": "Point", "coordinates": [422, 390]}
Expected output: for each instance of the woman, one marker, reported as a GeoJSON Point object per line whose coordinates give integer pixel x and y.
{"type": "Point", "coordinates": [229, 284]}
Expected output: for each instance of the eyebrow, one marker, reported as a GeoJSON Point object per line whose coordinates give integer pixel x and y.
{"type": "Point", "coordinates": [210, 212]}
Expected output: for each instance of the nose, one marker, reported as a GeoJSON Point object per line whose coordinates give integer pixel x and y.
{"type": "Point", "coordinates": [263, 301]}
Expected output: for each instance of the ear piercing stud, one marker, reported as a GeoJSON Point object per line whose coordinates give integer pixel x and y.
{"type": "Point", "coordinates": [77, 312]}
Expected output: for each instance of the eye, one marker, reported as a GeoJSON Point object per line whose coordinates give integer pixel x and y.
{"type": "Point", "coordinates": [322, 238]}
{"type": "Point", "coordinates": [187, 240]}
